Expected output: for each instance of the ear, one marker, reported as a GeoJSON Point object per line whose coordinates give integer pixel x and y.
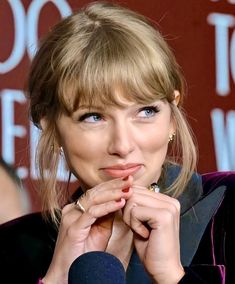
{"type": "Point", "coordinates": [177, 97]}
{"type": "Point", "coordinates": [175, 102]}
{"type": "Point", "coordinates": [43, 123]}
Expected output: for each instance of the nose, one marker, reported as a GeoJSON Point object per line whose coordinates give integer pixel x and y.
{"type": "Point", "coordinates": [121, 140]}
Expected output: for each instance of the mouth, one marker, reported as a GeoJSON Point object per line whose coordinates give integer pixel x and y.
{"type": "Point", "coordinates": [118, 171]}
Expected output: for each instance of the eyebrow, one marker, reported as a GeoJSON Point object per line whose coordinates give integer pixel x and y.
{"type": "Point", "coordinates": [87, 107]}
{"type": "Point", "coordinates": [103, 108]}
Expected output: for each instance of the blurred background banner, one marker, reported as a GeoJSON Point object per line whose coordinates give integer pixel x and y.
{"type": "Point", "coordinates": [202, 36]}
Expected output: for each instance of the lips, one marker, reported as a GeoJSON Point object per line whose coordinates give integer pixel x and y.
{"type": "Point", "coordinates": [117, 171]}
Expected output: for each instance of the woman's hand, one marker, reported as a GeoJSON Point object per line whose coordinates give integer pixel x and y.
{"type": "Point", "coordinates": [89, 231]}
{"type": "Point", "coordinates": [154, 219]}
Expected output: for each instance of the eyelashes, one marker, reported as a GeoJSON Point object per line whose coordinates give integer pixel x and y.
{"type": "Point", "coordinates": [90, 116]}
{"type": "Point", "coordinates": [142, 113]}
{"type": "Point", "coordinates": [148, 111]}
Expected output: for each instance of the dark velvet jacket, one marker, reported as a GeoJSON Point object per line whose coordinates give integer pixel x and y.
{"type": "Point", "coordinates": [207, 237]}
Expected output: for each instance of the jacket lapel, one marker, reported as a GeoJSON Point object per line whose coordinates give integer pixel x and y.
{"type": "Point", "coordinates": [194, 220]}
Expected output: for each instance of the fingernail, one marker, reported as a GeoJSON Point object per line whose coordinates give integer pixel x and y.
{"type": "Point", "coordinates": [125, 189]}
{"type": "Point", "coordinates": [119, 200]}
{"type": "Point", "coordinates": [125, 178]}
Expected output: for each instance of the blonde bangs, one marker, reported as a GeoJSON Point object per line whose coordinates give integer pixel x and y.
{"type": "Point", "coordinates": [116, 62]}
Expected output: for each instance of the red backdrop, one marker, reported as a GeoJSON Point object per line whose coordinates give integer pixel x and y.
{"type": "Point", "coordinates": [201, 34]}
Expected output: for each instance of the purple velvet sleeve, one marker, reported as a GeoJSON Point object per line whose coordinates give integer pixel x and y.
{"type": "Point", "coordinates": [204, 274]}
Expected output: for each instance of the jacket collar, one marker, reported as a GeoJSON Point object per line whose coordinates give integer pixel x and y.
{"type": "Point", "coordinates": [193, 191]}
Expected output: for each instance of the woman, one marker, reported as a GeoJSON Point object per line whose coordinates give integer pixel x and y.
{"type": "Point", "coordinates": [14, 199]}
{"type": "Point", "coordinates": [106, 92]}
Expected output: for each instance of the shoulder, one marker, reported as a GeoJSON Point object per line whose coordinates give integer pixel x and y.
{"type": "Point", "coordinates": [222, 183]}
{"type": "Point", "coordinates": [214, 180]}
{"type": "Point", "coordinates": [26, 247]}
{"type": "Point", "coordinates": [206, 188]}
{"type": "Point", "coordinates": [28, 225]}
{"type": "Point", "coordinates": [208, 213]}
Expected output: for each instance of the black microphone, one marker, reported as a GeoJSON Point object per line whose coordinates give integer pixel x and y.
{"type": "Point", "coordinates": [97, 267]}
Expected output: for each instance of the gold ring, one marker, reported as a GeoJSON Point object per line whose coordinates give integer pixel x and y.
{"type": "Point", "coordinates": [79, 206]}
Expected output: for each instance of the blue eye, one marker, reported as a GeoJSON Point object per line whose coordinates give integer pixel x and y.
{"type": "Point", "coordinates": [147, 112]}
{"type": "Point", "coordinates": [90, 117]}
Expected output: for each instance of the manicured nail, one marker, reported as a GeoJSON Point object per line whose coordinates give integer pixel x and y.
{"type": "Point", "coordinates": [125, 178]}
{"type": "Point", "coordinates": [125, 189]}
{"type": "Point", "coordinates": [119, 200]}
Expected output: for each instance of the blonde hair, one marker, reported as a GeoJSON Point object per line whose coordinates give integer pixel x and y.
{"type": "Point", "coordinates": [83, 60]}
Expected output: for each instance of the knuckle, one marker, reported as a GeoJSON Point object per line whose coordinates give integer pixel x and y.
{"type": "Point", "coordinates": [88, 197]}
{"type": "Point", "coordinates": [65, 220]}
{"type": "Point", "coordinates": [91, 211]}
{"type": "Point", "coordinates": [133, 199]}
{"type": "Point", "coordinates": [71, 232]}
{"type": "Point", "coordinates": [125, 218]}
{"type": "Point", "coordinates": [174, 207]}
{"type": "Point", "coordinates": [168, 216]}
{"type": "Point", "coordinates": [88, 194]}
{"type": "Point", "coordinates": [113, 185]}
{"type": "Point", "coordinates": [177, 204]}
{"type": "Point", "coordinates": [173, 210]}
{"type": "Point", "coordinates": [134, 210]}
{"type": "Point", "coordinates": [115, 192]}
{"type": "Point", "coordinates": [65, 209]}
{"type": "Point", "coordinates": [107, 208]}
{"type": "Point", "coordinates": [94, 199]}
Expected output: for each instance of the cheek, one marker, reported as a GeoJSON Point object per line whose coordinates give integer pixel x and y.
{"type": "Point", "coordinates": [154, 140]}
{"type": "Point", "coordinates": [80, 148]}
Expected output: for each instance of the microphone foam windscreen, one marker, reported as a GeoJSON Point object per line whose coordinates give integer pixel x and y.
{"type": "Point", "coordinates": [97, 267]}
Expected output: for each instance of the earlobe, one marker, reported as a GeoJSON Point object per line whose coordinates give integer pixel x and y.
{"type": "Point", "coordinates": [177, 97]}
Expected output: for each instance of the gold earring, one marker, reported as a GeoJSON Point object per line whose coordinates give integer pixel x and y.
{"type": "Point", "coordinates": [61, 151]}
{"type": "Point", "coordinates": [171, 137]}
{"type": "Point", "coordinates": [55, 150]}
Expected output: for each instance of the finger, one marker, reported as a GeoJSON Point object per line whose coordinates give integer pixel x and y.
{"type": "Point", "coordinates": [106, 208]}
{"type": "Point", "coordinates": [147, 201]}
{"type": "Point", "coordinates": [101, 194]}
{"type": "Point", "coordinates": [136, 225]}
{"type": "Point", "coordinates": [79, 229]}
{"type": "Point", "coordinates": [97, 211]}
{"type": "Point", "coordinates": [112, 190]}
{"type": "Point", "coordinates": [115, 183]}
{"type": "Point", "coordinates": [156, 219]}
{"type": "Point", "coordinates": [69, 215]}
{"type": "Point", "coordinates": [158, 195]}
{"type": "Point", "coordinates": [152, 199]}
